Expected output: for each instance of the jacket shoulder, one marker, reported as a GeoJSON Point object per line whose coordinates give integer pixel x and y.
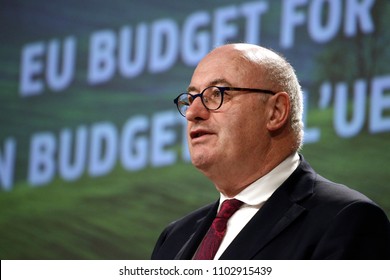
{"type": "Point", "coordinates": [177, 233]}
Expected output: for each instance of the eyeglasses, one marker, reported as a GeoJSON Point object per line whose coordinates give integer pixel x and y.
{"type": "Point", "coordinates": [212, 97]}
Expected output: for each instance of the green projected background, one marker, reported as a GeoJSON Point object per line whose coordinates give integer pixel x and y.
{"type": "Point", "coordinates": [93, 158]}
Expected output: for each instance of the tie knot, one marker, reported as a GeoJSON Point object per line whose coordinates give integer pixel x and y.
{"type": "Point", "coordinates": [228, 208]}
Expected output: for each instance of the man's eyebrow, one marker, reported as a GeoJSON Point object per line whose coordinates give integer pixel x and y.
{"type": "Point", "coordinates": [191, 88]}
{"type": "Point", "coordinates": [215, 82]}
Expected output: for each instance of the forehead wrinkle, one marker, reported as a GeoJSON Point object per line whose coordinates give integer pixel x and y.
{"type": "Point", "coordinates": [215, 82]}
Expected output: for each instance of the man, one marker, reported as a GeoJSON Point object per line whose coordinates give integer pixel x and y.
{"type": "Point", "coordinates": [244, 110]}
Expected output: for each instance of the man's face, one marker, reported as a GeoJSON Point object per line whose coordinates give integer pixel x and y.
{"type": "Point", "coordinates": [233, 139]}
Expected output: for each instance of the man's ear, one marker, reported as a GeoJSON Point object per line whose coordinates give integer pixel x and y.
{"type": "Point", "coordinates": [279, 111]}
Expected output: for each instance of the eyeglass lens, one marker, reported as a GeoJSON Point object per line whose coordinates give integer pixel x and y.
{"type": "Point", "coordinates": [211, 99]}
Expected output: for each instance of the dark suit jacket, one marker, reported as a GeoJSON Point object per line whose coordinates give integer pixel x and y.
{"type": "Point", "coordinates": [307, 217]}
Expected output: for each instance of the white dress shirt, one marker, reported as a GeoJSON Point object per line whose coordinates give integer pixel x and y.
{"type": "Point", "coordinates": [254, 196]}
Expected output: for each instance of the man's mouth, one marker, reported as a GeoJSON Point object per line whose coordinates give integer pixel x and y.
{"type": "Point", "coordinates": [198, 133]}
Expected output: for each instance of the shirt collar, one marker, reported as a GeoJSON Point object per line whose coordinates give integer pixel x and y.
{"type": "Point", "coordinates": [259, 191]}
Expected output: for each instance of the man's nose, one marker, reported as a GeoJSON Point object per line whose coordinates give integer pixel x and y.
{"type": "Point", "coordinates": [197, 110]}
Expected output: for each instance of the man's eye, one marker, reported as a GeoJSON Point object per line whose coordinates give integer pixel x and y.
{"type": "Point", "coordinates": [215, 94]}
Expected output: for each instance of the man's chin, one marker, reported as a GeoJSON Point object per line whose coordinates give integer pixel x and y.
{"type": "Point", "coordinates": [202, 162]}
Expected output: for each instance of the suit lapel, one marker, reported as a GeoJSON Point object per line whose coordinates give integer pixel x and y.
{"type": "Point", "coordinates": [277, 214]}
{"type": "Point", "coordinates": [202, 225]}
{"type": "Point", "coordinates": [260, 231]}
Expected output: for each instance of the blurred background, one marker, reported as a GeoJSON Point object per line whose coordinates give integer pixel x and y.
{"type": "Point", "coordinates": [93, 158]}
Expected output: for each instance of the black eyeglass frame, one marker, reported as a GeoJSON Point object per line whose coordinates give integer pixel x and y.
{"type": "Point", "coordinates": [222, 90]}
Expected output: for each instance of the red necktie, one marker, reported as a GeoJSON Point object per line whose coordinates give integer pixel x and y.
{"type": "Point", "coordinates": [210, 244]}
